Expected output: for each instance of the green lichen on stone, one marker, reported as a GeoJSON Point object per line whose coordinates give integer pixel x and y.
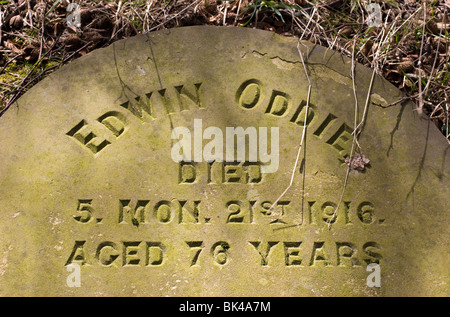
{"type": "Point", "coordinates": [87, 177]}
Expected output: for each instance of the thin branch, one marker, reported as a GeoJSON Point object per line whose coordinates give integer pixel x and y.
{"type": "Point", "coordinates": [420, 64]}
{"type": "Point", "coordinates": [303, 132]}
{"type": "Point", "coordinates": [237, 13]}
{"type": "Point", "coordinates": [10, 61]}
{"type": "Point", "coordinates": [175, 15]}
{"type": "Point", "coordinates": [42, 35]}
{"type": "Point", "coordinates": [354, 142]}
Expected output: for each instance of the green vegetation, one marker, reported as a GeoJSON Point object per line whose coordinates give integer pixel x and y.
{"type": "Point", "coordinates": [410, 47]}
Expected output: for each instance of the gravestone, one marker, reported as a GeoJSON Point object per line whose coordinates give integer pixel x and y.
{"type": "Point", "coordinates": [155, 167]}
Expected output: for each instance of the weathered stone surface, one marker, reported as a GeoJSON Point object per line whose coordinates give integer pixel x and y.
{"type": "Point", "coordinates": [86, 176]}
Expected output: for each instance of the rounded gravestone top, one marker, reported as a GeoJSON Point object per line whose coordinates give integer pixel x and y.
{"type": "Point", "coordinates": [155, 167]}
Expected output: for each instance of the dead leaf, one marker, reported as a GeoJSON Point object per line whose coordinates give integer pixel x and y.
{"type": "Point", "coordinates": [73, 41]}
{"type": "Point", "coordinates": [442, 26]}
{"type": "Point", "coordinates": [12, 46]}
{"type": "Point", "coordinates": [72, 29]}
{"type": "Point", "coordinates": [346, 31]}
{"type": "Point", "coordinates": [432, 27]}
{"type": "Point", "coordinates": [93, 36]}
{"type": "Point", "coordinates": [406, 65]}
{"type": "Point", "coordinates": [58, 28]}
{"type": "Point", "coordinates": [32, 53]}
{"type": "Point", "coordinates": [367, 48]}
{"type": "Point", "coordinates": [357, 162]}
{"type": "Point", "coordinates": [16, 22]}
